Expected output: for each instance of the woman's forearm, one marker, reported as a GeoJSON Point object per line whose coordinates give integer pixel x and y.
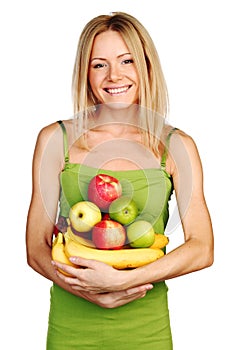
{"type": "Point", "coordinates": [189, 257]}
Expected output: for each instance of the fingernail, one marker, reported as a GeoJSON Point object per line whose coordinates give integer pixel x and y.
{"type": "Point", "coordinates": [149, 287]}
{"type": "Point", "coordinates": [73, 259]}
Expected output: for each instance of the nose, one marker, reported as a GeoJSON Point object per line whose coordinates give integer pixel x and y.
{"type": "Point", "coordinates": [114, 73]}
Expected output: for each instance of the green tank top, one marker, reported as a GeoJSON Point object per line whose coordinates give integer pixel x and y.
{"type": "Point", "coordinates": [150, 188]}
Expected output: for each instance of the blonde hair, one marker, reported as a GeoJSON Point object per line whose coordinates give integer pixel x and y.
{"type": "Point", "coordinates": [153, 96]}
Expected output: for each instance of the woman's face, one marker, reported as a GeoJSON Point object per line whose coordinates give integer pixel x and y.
{"type": "Point", "coordinates": [112, 73]}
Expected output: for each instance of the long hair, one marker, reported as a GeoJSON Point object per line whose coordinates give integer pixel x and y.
{"type": "Point", "coordinates": [153, 96]}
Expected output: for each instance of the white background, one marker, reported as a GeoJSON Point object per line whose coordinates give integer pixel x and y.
{"type": "Point", "coordinates": [38, 45]}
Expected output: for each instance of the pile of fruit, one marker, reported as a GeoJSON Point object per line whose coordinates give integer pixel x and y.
{"type": "Point", "coordinates": [107, 227]}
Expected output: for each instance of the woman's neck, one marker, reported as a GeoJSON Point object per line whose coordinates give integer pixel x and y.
{"type": "Point", "coordinates": [117, 113]}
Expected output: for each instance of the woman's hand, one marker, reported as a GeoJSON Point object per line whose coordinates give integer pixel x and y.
{"type": "Point", "coordinates": [95, 277]}
{"type": "Point", "coordinates": [115, 299]}
{"type": "Point", "coordinates": [100, 283]}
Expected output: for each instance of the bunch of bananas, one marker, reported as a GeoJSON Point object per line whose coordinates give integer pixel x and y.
{"type": "Point", "coordinates": [65, 246]}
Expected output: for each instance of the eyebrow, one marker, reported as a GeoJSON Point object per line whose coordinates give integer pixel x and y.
{"type": "Point", "coordinates": [104, 59]}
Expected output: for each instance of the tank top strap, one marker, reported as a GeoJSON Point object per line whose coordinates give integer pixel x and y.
{"type": "Point", "coordinates": [65, 141]}
{"type": "Point", "coordinates": [166, 148]}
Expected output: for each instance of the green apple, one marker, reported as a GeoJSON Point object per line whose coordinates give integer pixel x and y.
{"type": "Point", "coordinates": [140, 234]}
{"type": "Point", "coordinates": [123, 210]}
{"type": "Point", "coordinates": [84, 215]}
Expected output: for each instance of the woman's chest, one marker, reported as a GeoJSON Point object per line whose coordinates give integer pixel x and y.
{"type": "Point", "coordinates": [115, 154]}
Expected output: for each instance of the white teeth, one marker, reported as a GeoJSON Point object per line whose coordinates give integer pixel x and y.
{"type": "Point", "coordinates": [117, 90]}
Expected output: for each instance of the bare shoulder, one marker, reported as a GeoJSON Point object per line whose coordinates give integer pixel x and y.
{"type": "Point", "coordinates": [176, 135]}
{"type": "Point", "coordinates": [54, 131]}
{"type": "Point", "coordinates": [183, 151]}
{"type": "Point", "coordinates": [49, 144]}
{"type": "Point", "coordinates": [48, 131]}
{"type": "Point", "coordinates": [180, 139]}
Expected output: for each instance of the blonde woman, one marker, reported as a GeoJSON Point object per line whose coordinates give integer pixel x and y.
{"type": "Point", "coordinates": [119, 129]}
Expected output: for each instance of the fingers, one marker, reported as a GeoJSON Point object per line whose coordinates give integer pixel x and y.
{"type": "Point", "coordinates": [80, 262]}
{"type": "Point", "coordinates": [139, 289]}
{"type": "Point", "coordinates": [64, 267]}
{"type": "Point", "coordinates": [116, 299]}
{"type": "Point", "coordinates": [91, 264]}
{"type": "Point", "coordinates": [83, 279]}
{"type": "Point", "coordinates": [78, 285]}
{"type": "Point", "coordinates": [96, 280]}
{"type": "Point", "coordinates": [79, 279]}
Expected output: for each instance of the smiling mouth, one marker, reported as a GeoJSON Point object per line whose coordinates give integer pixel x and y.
{"type": "Point", "coordinates": [117, 91]}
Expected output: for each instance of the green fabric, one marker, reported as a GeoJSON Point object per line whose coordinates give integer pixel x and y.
{"type": "Point", "coordinates": [75, 323]}
{"type": "Point", "coordinates": [164, 156]}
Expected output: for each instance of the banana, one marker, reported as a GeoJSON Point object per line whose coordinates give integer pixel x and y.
{"type": "Point", "coordinates": [58, 253]}
{"type": "Point", "coordinates": [160, 241]}
{"type": "Point", "coordinates": [81, 240]}
{"type": "Point", "coordinates": [119, 259]}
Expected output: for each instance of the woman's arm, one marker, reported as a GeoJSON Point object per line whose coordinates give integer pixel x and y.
{"type": "Point", "coordinates": [197, 251]}
{"type": "Point", "coordinates": [44, 200]}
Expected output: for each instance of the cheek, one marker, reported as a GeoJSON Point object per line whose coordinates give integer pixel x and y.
{"type": "Point", "coordinates": [94, 81]}
{"type": "Point", "coordinates": [91, 80]}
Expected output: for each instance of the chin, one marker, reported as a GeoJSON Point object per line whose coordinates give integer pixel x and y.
{"type": "Point", "coordinates": [121, 105]}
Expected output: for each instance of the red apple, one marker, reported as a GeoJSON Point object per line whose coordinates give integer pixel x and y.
{"type": "Point", "coordinates": [103, 189]}
{"type": "Point", "coordinates": [108, 234]}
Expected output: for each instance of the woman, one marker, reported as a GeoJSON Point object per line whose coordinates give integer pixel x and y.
{"type": "Point", "coordinates": [120, 103]}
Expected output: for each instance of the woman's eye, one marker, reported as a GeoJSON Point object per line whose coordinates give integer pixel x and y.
{"type": "Point", "coordinates": [127, 61]}
{"type": "Point", "coordinates": [99, 65]}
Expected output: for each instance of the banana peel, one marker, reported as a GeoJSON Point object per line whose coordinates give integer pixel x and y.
{"type": "Point", "coordinates": [160, 241]}
{"type": "Point", "coordinates": [58, 252]}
